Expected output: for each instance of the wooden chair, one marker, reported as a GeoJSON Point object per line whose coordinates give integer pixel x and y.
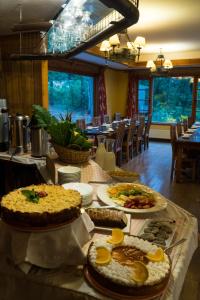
{"type": "Point", "coordinates": [81, 124]}
{"type": "Point", "coordinates": [179, 129]}
{"type": "Point", "coordinates": [185, 125]}
{"type": "Point", "coordinates": [146, 134]}
{"type": "Point", "coordinates": [190, 121]}
{"type": "Point", "coordinates": [186, 162]}
{"type": "Point", "coordinates": [119, 136]}
{"type": "Point", "coordinates": [96, 121]}
{"type": "Point", "coordinates": [106, 119]}
{"type": "Point", "coordinates": [118, 116]}
{"type": "Point", "coordinates": [138, 138]}
{"type": "Point", "coordinates": [128, 144]}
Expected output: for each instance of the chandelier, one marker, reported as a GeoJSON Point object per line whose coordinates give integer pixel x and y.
{"type": "Point", "coordinates": [161, 64]}
{"type": "Point", "coordinates": [114, 49]}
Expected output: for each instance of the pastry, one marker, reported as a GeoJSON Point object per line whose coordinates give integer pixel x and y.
{"type": "Point", "coordinates": [107, 217]}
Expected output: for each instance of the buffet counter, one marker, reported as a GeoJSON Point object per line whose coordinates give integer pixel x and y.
{"type": "Point", "coordinates": [68, 282]}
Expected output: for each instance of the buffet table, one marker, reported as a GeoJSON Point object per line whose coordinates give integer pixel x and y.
{"type": "Point", "coordinates": [68, 282]}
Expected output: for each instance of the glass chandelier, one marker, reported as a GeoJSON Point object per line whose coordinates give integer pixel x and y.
{"type": "Point", "coordinates": [161, 64]}
{"type": "Point", "coordinates": [113, 49]}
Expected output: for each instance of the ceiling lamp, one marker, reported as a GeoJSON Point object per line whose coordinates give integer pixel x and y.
{"type": "Point", "coordinates": [116, 50]}
{"type": "Point", "coordinates": [161, 64]}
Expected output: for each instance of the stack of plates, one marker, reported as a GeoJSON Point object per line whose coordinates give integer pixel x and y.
{"type": "Point", "coordinates": [84, 189]}
{"type": "Point", "coordinates": [69, 174]}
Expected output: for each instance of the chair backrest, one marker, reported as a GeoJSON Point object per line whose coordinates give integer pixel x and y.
{"type": "Point", "coordinates": [119, 136]}
{"type": "Point", "coordinates": [185, 125]}
{"type": "Point", "coordinates": [106, 119]}
{"type": "Point", "coordinates": [81, 124]}
{"type": "Point", "coordinates": [140, 129]}
{"type": "Point", "coordinates": [131, 132]}
{"type": "Point", "coordinates": [118, 116]}
{"type": "Point", "coordinates": [147, 127]}
{"type": "Point", "coordinates": [190, 121]}
{"type": "Point", "coordinates": [173, 138]}
{"type": "Point", "coordinates": [179, 129]}
{"type": "Point", "coordinates": [96, 121]}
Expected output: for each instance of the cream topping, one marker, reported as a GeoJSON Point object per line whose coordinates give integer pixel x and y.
{"type": "Point", "coordinates": [121, 274]}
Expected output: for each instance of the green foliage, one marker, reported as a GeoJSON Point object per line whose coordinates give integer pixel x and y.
{"type": "Point", "coordinates": [41, 117]}
{"type": "Point", "coordinates": [63, 132]}
{"type": "Point", "coordinates": [31, 196]}
{"type": "Point", "coordinates": [172, 98]}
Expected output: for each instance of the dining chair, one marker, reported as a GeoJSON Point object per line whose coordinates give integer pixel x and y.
{"type": "Point", "coordinates": [146, 134]}
{"type": "Point", "coordinates": [190, 121]}
{"type": "Point", "coordinates": [179, 129]}
{"type": "Point", "coordinates": [106, 119]}
{"type": "Point", "coordinates": [81, 124]}
{"type": "Point", "coordinates": [138, 137]}
{"type": "Point", "coordinates": [118, 116]}
{"type": "Point", "coordinates": [119, 136]}
{"type": "Point", "coordinates": [185, 125]}
{"type": "Point", "coordinates": [187, 162]}
{"type": "Point", "coordinates": [96, 121]}
{"type": "Point", "coordinates": [128, 143]}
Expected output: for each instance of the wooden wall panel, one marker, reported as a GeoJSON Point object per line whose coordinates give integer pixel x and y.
{"type": "Point", "coordinates": [22, 83]}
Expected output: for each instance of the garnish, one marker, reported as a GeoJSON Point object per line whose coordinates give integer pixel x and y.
{"type": "Point", "coordinates": [103, 256]}
{"type": "Point", "coordinates": [117, 236]}
{"type": "Point", "coordinates": [31, 196]}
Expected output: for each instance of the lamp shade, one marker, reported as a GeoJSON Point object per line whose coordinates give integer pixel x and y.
{"type": "Point", "coordinates": [114, 40]}
{"type": "Point", "coordinates": [167, 64]}
{"type": "Point", "coordinates": [139, 41]}
{"type": "Point", "coordinates": [150, 64]}
{"type": "Point", "coordinates": [105, 46]}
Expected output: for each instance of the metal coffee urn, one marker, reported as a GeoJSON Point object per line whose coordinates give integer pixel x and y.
{"type": "Point", "coordinates": [4, 125]}
{"type": "Point", "coordinates": [39, 141]}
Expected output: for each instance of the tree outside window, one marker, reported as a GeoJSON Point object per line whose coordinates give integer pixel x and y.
{"type": "Point", "coordinates": [172, 98]}
{"type": "Point", "coordinates": [71, 93]}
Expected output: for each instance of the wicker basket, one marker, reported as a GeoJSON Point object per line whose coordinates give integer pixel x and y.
{"type": "Point", "coordinates": [72, 156]}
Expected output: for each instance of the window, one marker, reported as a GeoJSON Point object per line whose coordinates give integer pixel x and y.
{"type": "Point", "coordinates": [143, 96]}
{"type": "Point", "coordinates": [172, 98]}
{"type": "Point", "coordinates": [198, 101]}
{"type": "Point", "coordinates": [71, 93]}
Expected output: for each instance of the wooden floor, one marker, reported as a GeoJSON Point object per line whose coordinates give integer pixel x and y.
{"type": "Point", "coordinates": [154, 166]}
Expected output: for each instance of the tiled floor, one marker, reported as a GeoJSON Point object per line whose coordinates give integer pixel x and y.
{"type": "Point", "coordinates": [154, 167]}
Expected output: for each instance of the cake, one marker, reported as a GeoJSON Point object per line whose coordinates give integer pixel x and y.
{"type": "Point", "coordinates": [40, 205]}
{"type": "Point", "coordinates": [107, 217]}
{"type": "Point", "coordinates": [133, 267]}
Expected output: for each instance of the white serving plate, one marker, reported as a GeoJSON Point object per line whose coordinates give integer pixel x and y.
{"type": "Point", "coordinates": [125, 229]}
{"type": "Point", "coordinates": [84, 189]}
{"type": "Point", "coordinates": [171, 225]}
{"type": "Point", "coordinates": [161, 202]}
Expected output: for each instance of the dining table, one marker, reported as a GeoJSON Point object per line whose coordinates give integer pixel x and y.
{"type": "Point", "coordinates": [68, 282]}
{"type": "Point", "coordinates": [189, 141]}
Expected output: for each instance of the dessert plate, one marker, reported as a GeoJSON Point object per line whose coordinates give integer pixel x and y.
{"type": "Point", "coordinates": [160, 201]}
{"type": "Point", "coordinates": [163, 221]}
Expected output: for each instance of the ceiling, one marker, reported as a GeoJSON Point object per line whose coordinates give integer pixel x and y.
{"type": "Point", "coordinates": [170, 25]}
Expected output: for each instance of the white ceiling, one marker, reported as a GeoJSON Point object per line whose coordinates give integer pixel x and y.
{"type": "Point", "coordinates": [172, 25]}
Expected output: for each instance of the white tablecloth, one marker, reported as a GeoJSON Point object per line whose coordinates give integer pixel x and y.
{"type": "Point", "coordinates": [69, 282]}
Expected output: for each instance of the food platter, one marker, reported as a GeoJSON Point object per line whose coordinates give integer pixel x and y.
{"type": "Point", "coordinates": [160, 201]}
{"type": "Point", "coordinates": [109, 229]}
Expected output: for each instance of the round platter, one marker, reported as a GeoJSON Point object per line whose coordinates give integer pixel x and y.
{"type": "Point", "coordinates": [38, 229]}
{"type": "Point", "coordinates": [161, 202]}
{"type": "Point", "coordinates": [141, 294]}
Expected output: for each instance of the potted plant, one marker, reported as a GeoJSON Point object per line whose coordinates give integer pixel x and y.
{"type": "Point", "coordinates": [69, 142]}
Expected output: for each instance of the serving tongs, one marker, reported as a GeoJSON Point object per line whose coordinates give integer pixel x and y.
{"type": "Point", "coordinates": [174, 245]}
